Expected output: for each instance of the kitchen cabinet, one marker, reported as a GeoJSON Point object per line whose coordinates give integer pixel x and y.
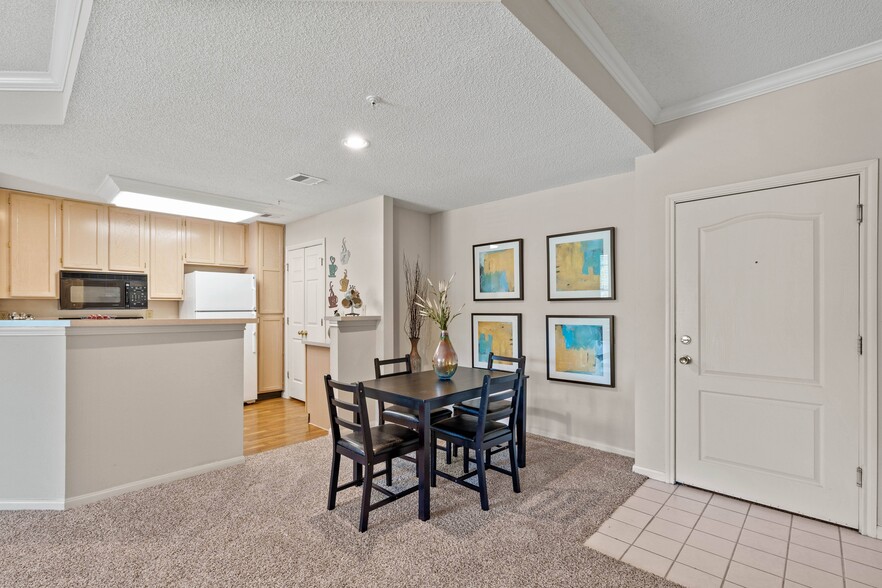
{"type": "Point", "coordinates": [166, 264]}
{"type": "Point", "coordinates": [128, 240]}
{"type": "Point", "coordinates": [270, 268]}
{"type": "Point", "coordinates": [200, 241]}
{"type": "Point", "coordinates": [270, 353]}
{"type": "Point", "coordinates": [33, 246]}
{"type": "Point", "coordinates": [230, 248]}
{"type": "Point", "coordinates": [4, 244]}
{"type": "Point", "coordinates": [83, 236]}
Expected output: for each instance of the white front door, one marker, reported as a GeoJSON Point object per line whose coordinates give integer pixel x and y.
{"type": "Point", "coordinates": [306, 305]}
{"type": "Point", "coordinates": [767, 326]}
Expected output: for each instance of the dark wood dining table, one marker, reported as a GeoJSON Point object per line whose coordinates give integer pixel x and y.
{"type": "Point", "coordinates": [423, 391]}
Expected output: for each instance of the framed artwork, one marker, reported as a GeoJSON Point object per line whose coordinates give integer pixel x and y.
{"type": "Point", "coordinates": [580, 349]}
{"type": "Point", "coordinates": [495, 333]}
{"type": "Point", "coordinates": [498, 270]}
{"type": "Point", "coordinates": [581, 265]}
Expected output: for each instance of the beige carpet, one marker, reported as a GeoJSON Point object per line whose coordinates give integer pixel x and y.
{"type": "Point", "coordinates": [265, 523]}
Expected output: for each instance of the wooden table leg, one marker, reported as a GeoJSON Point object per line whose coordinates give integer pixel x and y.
{"type": "Point", "coordinates": [521, 424]}
{"type": "Point", "coordinates": [424, 461]}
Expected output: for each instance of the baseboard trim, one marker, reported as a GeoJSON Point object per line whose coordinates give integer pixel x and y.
{"type": "Point", "coordinates": [31, 505]}
{"type": "Point", "coordinates": [147, 483]}
{"type": "Point", "coordinates": [267, 395]}
{"type": "Point", "coordinates": [653, 474]}
{"type": "Point", "coordinates": [583, 442]}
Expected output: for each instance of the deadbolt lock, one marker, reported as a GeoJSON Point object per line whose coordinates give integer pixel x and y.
{"type": "Point", "coordinates": [685, 339]}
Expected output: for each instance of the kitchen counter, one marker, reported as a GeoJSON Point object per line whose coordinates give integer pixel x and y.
{"type": "Point", "coordinates": [96, 408]}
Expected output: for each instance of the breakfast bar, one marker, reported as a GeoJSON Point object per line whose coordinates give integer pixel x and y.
{"type": "Point", "coordinates": [93, 409]}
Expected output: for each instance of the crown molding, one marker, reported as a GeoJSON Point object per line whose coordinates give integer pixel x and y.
{"type": "Point", "coordinates": [586, 28]}
{"type": "Point", "coordinates": [577, 17]}
{"type": "Point", "coordinates": [777, 81]}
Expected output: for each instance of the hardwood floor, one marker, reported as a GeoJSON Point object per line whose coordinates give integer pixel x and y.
{"type": "Point", "coordinates": [276, 422]}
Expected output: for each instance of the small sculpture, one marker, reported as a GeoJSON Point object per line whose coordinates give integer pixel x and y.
{"type": "Point", "coordinates": [352, 301]}
{"type": "Point", "coordinates": [332, 298]}
{"type": "Point", "coordinates": [345, 253]}
{"type": "Point", "coordinates": [344, 281]}
{"type": "Point", "coordinates": [332, 267]}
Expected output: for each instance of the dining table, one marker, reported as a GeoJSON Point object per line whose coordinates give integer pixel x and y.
{"type": "Point", "coordinates": [425, 391]}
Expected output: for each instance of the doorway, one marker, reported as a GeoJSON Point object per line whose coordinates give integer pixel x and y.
{"type": "Point", "coordinates": [305, 311]}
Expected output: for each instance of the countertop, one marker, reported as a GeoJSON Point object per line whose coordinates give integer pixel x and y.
{"type": "Point", "coordinates": [44, 323]}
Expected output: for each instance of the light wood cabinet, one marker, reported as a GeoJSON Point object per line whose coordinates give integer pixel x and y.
{"type": "Point", "coordinates": [166, 263]}
{"type": "Point", "coordinates": [270, 268]}
{"type": "Point", "coordinates": [127, 230]}
{"type": "Point", "coordinates": [200, 241]}
{"type": "Point", "coordinates": [83, 236]}
{"type": "Point", "coordinates": [230, 248]}
{"type": "Point", "coordinates": [33, 246]}
{"type": "Point", "coordinates": [4, 244]}
{"type": "Point", "coordinates": [270, 353]}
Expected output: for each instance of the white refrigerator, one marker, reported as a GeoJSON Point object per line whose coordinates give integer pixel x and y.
{"type": "Point", "coordinates": [218, 295]}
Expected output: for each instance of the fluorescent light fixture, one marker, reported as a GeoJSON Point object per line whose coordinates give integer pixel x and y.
{"type": "Point", "coordinates": [355, 142]}
{"type": "Point", "coordinates": [181, 207]}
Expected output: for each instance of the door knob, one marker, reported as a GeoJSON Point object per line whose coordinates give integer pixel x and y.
{"type": "Point", "coordinates": [685, 360]}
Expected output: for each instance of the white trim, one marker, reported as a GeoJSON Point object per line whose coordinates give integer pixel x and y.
{"type": "Point", "coordinates": [577, 17]}
{"type": "Point", "coordinates": [868, 172]}
{"type": "Point", "coordinates": [31, 504]}
{"type": "Point", "coordinates": [651, 474]}
{"type": "Point", "coordinates": [582, 442]}
{"type": "Point", "coordinates": [148, 482]}
{"type": "Point", "coordinates": [586, 28]}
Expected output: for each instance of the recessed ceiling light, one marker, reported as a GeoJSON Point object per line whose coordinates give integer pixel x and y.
{"type": "Point", "coordinates": [181, 207]}
{"type": "Point", "coordinates": [355, 142]}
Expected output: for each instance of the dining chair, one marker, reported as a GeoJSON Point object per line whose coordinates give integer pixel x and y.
{"type": "Point", "coordinates": [366, 446]}
{"type": "Point", "coordinates": [472, 406]}
{"type": "Point", "coordinates": [483, 432]}
{"type": "Point", "coordinates": [401, 415]}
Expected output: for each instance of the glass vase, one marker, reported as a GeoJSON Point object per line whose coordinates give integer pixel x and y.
{"type": "Point", "coordinates": [445, 360]}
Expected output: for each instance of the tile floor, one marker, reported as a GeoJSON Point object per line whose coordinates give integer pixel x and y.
{"type": "Point", "coordinates": [700, 539]}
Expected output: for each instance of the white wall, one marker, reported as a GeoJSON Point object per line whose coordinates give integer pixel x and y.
{"type": "Point", "coordinates": [364, 225]}
{"type": "Point", "coordinates": [589, 415]}
{"type": "Point", "coordinates": [412, 237]}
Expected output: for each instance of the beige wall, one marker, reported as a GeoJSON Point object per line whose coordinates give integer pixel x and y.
{"type": "Point", "coordinates": [411, 237]}
{"type": "Point", "coordinates": [589, 415]}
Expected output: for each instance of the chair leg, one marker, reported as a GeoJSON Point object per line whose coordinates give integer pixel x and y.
{"type": "Point", "coordinates": [335, 477]}
{"type": "Point", "coordinates": [366, 498]}
{"type": "Point", "coordinates": [482, 479]}
{"type": "Point", "coordinates": [456, 451]}
{"type": "Point", "coordinates": [433, 478]}
{"type": "Point", "coordinates": [488, 457]}
{"type": "Point", "coordinates": [356, 473]}
{"type": "Point", "coordinates": [515, 476]}
{"type": "Point", "coordinates": [447, 456]}
{"type": "Point", "coordinates": [389, 472]}
{"type": "Point", "coordinates": [465, 460]}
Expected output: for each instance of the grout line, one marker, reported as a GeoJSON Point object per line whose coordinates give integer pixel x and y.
{"type": "Point", "coordinates": [787, 556]}
{"type": "Point", "coordinates": [737, 543]}
{"type": "Point", "coordinates": [692, 530]}
{"type": "Point", "coordinates": [842, 554]}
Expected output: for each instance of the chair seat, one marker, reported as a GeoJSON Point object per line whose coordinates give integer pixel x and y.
{"type": "Point", "coordinates": [474, 405]}
{"type": "Point", "coordinates": [385, 438]}
{"type": "Point", "coordinates": [410, 416]}
{"type": "Point", "coordinates": [465, 427]}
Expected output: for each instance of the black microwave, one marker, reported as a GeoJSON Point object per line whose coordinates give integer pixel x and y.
{"type": "Point", "coordinates": [83, 290]}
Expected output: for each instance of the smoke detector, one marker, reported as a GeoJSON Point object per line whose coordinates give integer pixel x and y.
{"type": "Point", "coordinates": [305, 179]}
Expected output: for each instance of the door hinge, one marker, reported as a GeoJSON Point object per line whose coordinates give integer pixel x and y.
{"type": "Point", "coordinates": [287, 321]}
{"type": "Point", "coordinates": [321, 322]}
{"type": "Point", "coordinates": [288, 375]}
{"type": "Point", "coordinates": [860, 345]}
{"type": "Point", "coordinates": [287, 268]}
{"type": "Point", "coordinates": [860, 477]}
{"type": "Point", "coordinates": [321, 261]}
{"type": "Point", "coordinates": [860, 213]}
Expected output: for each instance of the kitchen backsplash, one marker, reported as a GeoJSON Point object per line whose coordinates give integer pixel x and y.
{"type": "Point", "coordinates": [43, 309]}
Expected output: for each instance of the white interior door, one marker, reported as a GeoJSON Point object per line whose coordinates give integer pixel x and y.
{"type": "Point", "coordinates": [314, 314]}
{"type": "Point", "coordinates": [767, 311]}
{"type": "Point", "coordinates": [296, 324]}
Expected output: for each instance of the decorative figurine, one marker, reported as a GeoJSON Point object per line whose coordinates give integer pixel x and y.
{"type": "Point", "coordinates": [345, 253]}
{"type": "Point", "coordinates": [352, 301]}
{"type": "Point", "coordinates": [332, 267]}
{"type": "Point", "coordinates": [344, 281]}
{"type": "Point", "coordinates": [332, 298]}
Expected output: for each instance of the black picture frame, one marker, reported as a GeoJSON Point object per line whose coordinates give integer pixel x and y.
{"type": "Point", "coordinates": [517, 335]}
{"type": "Point", "coordinates": [517, 245]}
{"type": "Point", "coordinates": [551, 351]}
{"type": "Point", "coordinates": [551, 243]}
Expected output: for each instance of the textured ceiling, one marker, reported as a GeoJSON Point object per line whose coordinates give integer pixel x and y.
{"type": "Point", "coordinates": [683, 49]}
{"type": "Point", "coordinates": [231, 97]}
{"type": "Point", "coordinates": [26, 34]}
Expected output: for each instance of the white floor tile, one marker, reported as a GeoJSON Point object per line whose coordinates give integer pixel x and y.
{"type": "Point", "coordinates": [770, 514]}
{"type": "Point", "coordinates": [704, 561]}
{"type": "Point", "coordinates": [767, 528]}
{"type": "Point", "coordinates": [687, 504]}
{"type": "Point", "coordinates": [763, 543]}
{"type": "Point", "coordinates": [656, 485]}
{"type": "Point", "coordinates": [619, 530]}
{"type": "Point", "coordinates": [675, 515]}
{"type": "Point", "coordinates": [647, 561]}
{"type": "Point", "coordinates": [853, 537]}
{"type": "Point", "coordinates": [715, 545]}
{"type": "Point", "coordinates": [659, 545]}
{"type": "Point", "coordinates": [868, 557]}
{"type": "Point", "coordinates": [723, 515]}
{"type": "Point", "coordinates": [864, 574]}
{"type": "Point", "coordinates": [816, 542]}
{"type": "Point", "coordinates": [760, 560]}
{"type": "Point", "coordinates": [816, 559]}
{"type": "Point", "coordinates": [730, 503]}
{"type": "Point", "coordinates": [653, 495]}
{"type": "Point", "coordinates": [632, 517]}
{"type": "Point", "coordinates": [751, 577]}
{"type": "Point", "coordinates": [642, 505]}
{"type": "Point", "coordinates": [692, 578]}
{"type": "Point", "coordinates": [669, 529]}
{"type": "Point", "coordinates": [702, 496]}
{"type": "Point", "coordinates": [607, 545]}
{"type": "Point", "coordinates": [717, 528]}
{"type": "Point", "coordinates": [816, 527]}
{"type": "Point", "coordinates": [812, 577]}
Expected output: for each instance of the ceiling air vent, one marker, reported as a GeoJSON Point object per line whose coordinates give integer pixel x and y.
{"type": "Point", "coordinates": [305, 179]}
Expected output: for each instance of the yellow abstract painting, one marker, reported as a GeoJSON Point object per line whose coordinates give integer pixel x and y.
{"type": "Point", "coordinates": [495, 337]}
{"type": "Point", "coordinates": [498, 271]}
{"type": "Point", "coordinates": [578, 265]}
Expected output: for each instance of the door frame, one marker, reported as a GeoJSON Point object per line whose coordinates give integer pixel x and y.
{"type": "Point", "coordinates": [868, 174]}
{"type": "Point", "coordinates": [289, 248]}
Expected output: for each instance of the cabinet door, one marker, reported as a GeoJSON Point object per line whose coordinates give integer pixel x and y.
{"type": "Point", "coordinates": [83, 236]}
{"type": "Point", "coordinates": [230, 248]}
{"type": "Point", "coordinates": [33, 246]}
{"type": "Point", "coordinates": [200, 241]}
{"type": "Point", "coordinates": [166, 278]}
{"type": "Point", "coordinates": [271, 264]}
{"type": "Point", "coordinates": [4, 244]}
{"type": "Point", "coordinates": [270, 353]}
{"type": "Point", "coordinates": [128, 240]}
